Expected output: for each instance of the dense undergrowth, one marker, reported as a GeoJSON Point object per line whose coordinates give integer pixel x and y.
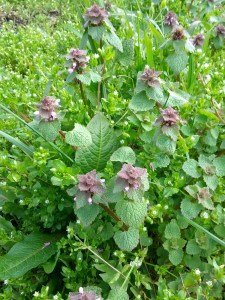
{"type": "Point", "coordinates": [112, 158]}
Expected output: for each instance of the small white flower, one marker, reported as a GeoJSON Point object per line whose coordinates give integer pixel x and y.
{"type": "Point", "coordinates": [78, 222]}
{"type": "Point", "coordinates": [115, 93]}
{"type": "Point", "coordinates": [197, 272]}
{"type": "Point", "coordinates": [96, 55]}
{"type": "Point", "coordinates": [205, 215]}
{"type": "Point", "coordinates": [209, 283]}
{"type": "Point", "coordinates": [36, 294]}
{"type": "Point", "coordinates": [46, 201]}
{"type": "Point", "coordinates": [154, 212]}
{"type": "Point", "coordinates": [21, 201]}
{"type": "Point", "coordinates": [81, 290]}
{"type": "Point", "coordinates": [166, 207]}
{"type": "Point", "coordinates": [6, 282]}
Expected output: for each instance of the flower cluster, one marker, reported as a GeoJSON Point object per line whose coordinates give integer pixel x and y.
{"type": "Point", "coordinates": [89, 184]}
{"type": "Point", "coordinates": [95, 16]}
{"type": "Point", "coordinates": [82, 295]}
{"type": "Point", "coordinates": [47, 109]}
{"type": "Point", "coordinates": [131, 177]}
{"type": "Point", "coordinates": [198, 40]}
{"type": "Point", "coordinates": [220, 30]}
{"type": "Point", "coordinates": [150, 77]}
{"type": "Point", "coordinates": [178, 33]}
{"type": "Point", "coordinates": [169, 118]}
{"type": "Point", "coordinates": [171, 19]}
{"type": "Point", "coordinates": [78, 59]}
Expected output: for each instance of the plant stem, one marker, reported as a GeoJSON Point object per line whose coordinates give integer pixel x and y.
{"type": "Point", "coordinates": [113, 215]}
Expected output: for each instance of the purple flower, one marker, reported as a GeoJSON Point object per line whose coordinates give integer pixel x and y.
{"type": "Point", "coordinates": [78, 59]}
{"type": "Point", "coordinates": [150, 77]}
{"type": "Point", "coordinates": [131, 177]}
{"type": "Point", "coordinates": [198, 40]}
{"type": "Point", "coordinates": [171, 19]}
{"type": "Point", "coordinates": [169, 118]}
{"type": "Point", "coordinates": [95, 16]}
{"type": "Point", "coordinates": [89, 184]}
{"type": "Point", "coordinates": [178, 33]}
{"type": "Point", "coordinates": [220, 30]}
{"type": "Point", "coordinates": [47, 108]}
{"type": "Point", "coordinates": [82, 295]}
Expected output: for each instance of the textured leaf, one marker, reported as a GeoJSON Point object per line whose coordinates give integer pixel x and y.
{"type": "Point", "coordinates": [49, 130]}
{"type": "Point", "coordinates": [189, 209]}
{"type": "Point", "coordinates": [127, 240]}
{"type": "Point", "coordinates": [132, 213]}
{"type": "Point", "coordinates": [176, 256]}
{"type": "Point", "coordinates": [126, 57]}
{"type": "Point", "coordinates": [161, 161]}
{"type": "Point", "coordinates": [118, 294]}
{"type": "Point", "coordinates": [165, 144]}
{"type": "Point", "coordinates": [124, 154]}
{"type": "Point", "coordinates": [141, 102]}
{"type": "Point", "coordinates": [96, 32]}
{"type": "Point", "coordinates": [96, 155]}
{"type": "Point", "coordinates": [177, 61]}
{"type": "Point", "coordinates": [190, 167]}
{"type": "Point", "coordinates": [156, 94]}
{"type": "Point", "coordinates": [95, 77]}
{"type": "Point", "coordinates": [211, 181]}
{"type": "Point", "coordinates": [219, 163]}
{"type": "Point", "coordinates": [87, 214]}
{"type": "Point", "coordinates": [79, 136]}
{"type": "Point", "coordinates": [192, 248]}
{"type": "Point", "coordinates": [114, 40]}
{"type": "Point", "coordinates": [172, 230]}
{"type": "Point", "coordinates": [84, 78]}
{"type": "Point", "coordinates": [26, 255]}
{"type": "Point", "coordinates": [177, 98]}
{"type": "Point", "coordinates": [6, 225]}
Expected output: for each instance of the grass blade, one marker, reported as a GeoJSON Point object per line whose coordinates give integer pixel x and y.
{"type": "Point", "coordinates": [26, 149]}
{"type": "Point", "coordinates": [212, 236]}
{"type": "Point", "coordinates": [36, 131]}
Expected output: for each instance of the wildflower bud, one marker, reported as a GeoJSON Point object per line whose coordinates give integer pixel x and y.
{"type": "Point", "coordinates": [220, 30]}
{"type": "Point", "coordinates": [95, 16]}
{"type": "Point", "coordinates": [75, 198]}
{"type": "Point", "coordinates": [47, 108]}
{"type": "Point", "coordinates": [171, 19]}
{"type": "Point", "coordinates": [178, 33]}
{"type": "Point", "coordinates": [198, 40]}
{"type": "Point", "coordinates": [169, 118]}
{"type": "Point", "coordinates": [78, 59]}
{"type": "Point", "coordinates": [150, 77]}
{"type": "Point", "coordinates": [89, 185]}
{"type": "Point", "coordinates": [131, 177]}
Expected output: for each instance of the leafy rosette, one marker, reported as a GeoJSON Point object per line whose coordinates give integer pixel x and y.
{"type": "Point", "coordinates": [132, 180]}
{"type": "Point", "coordinates": [95, 16]}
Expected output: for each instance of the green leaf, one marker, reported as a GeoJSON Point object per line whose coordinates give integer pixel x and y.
{"type": "Point", "coordinates": [126, 57]}
{"type": "Point", "coordinates": [189, 209]}
{"type": "Point", "coordinates": [26, 149]}
{"type": "Point", "coordinates": [124, 154]}
{"type": "Point", "coordinates": [165, 144]}
{"type": "Point", "coordinates": [190, 167]}
{"type": "Point", "coordinates": [177, 61]}
{"type": "Point", "coordinates": [96, 32]}
{"type": "Point", "coordinates": [95, 77]}
{"type": "Point", "coordinates": [50, 265]}
{"type": "Point", "coordinates": [26, 255]}
{"type": "Point", "coordinates": [176, 256]}
{"type": "Point", "coordinates": [172, 230]}
{"type": "Point", "coordinates": [192, 248]}
{"type": "Point", "coordinates": [97, 154]}
{"type": "Point", "coordinates": [161, 161]}
{"type": "Point", "coordinates": [6, 225]}
{"type": "Point", "coordinates": [156, 93]}
{"type": "Point", "coordinates": [132, 213]}
{"type": "Point", "coordinates": [141, 102]}
{"type": "Point", "coordinates": [127, 240]}
{"type": "Point", "coordinates": [49, 130]}
{"type": "Point", "coordinates": [79, 136]}
{"type": "Point", "coordinates": [114, 40]}
{"type": "Point", "coordinates": [177, 98]}
{"type": "Point", "coordinates": [85, 78]}
{"type": "Point", "coordinates": [118, 294]}
{"type": "Point", "coordinates": [87, 214]}
{"type": "Point", "coordinates": [219, 163]}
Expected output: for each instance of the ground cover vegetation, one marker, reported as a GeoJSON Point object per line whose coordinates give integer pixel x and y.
{"type": "Point", "coordinates": [112, 158]}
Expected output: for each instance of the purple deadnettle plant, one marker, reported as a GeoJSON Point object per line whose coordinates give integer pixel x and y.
{"type": "Point", "coordinates": [82, 295]}
{"type": "Point", "coordinates": [95, 16]}
{"type": "Point", "coordinates": [198, 40]}
{"type": "Point", "coordinates": [47, 109]}
{"type": "Point", "coordinates": [89, 185]}
{"type": "Point", "coordinates": [220, 30]}
{"type": "Point", "coordinates": [169, 119]}
{"type": "Point", "coordinates": [78, 60]}
{"type": "Point", "coordinates": [178, 33]}
{"type": "Point", "coordinates": [150, 77]}
{"type": "Point", "coordinates": [131, 178]}
{"type": "Point", "coordinates": [171, 19]}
